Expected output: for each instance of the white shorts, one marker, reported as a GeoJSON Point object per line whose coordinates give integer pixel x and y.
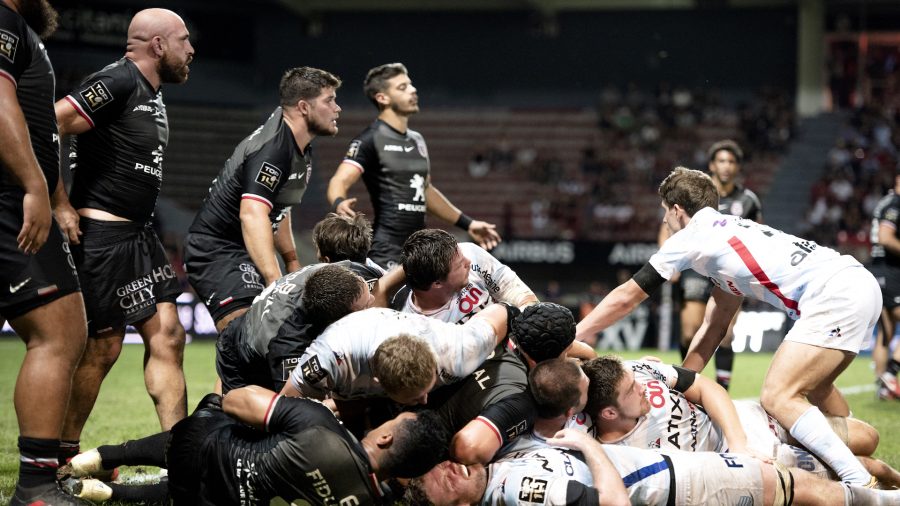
{"type": "Point", "coordinates": [840, 314]}
{"type": "Point", "coordinates": [716, 478]}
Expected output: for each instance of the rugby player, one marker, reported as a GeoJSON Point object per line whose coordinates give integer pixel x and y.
{"type": "Point", "coordinates": [833, 298]}
{"type": "Point", "coordinates": [40, 295]}
{"type": "Point", "coordinates": [230, 248]}
{"type": "Point", "coordinates": [256, 445]}
{"type": "Point", "coordinates": [394, 165]}
{"type": "Point", "coordinates": [120, 128]}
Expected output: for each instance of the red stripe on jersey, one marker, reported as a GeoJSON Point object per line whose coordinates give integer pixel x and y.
{"type": "Point", "coordinates": [493, 427]}
{"type": "Point", "coordinates": [257, 198]}
{"type": "Point", "coordinates": [269, 410]}
{"type": "Point", "coordinates": [79, 110]}
{"type": "Point", "coordinates": [9, 76]}
{"type": "Point", "coordinates": [741, 249]}
{"type": "Point", "coordinates": [356, 164]}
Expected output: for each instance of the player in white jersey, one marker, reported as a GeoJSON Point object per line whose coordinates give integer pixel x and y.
{"type": "Point", "coordinates": [381, 352]}
{"type": "Point", "coordinates": [834, 299]}
{"type": "Point", "coordinates": [451, 282]}
{"type": "Point", "coordinates": [647, 404]}
{"type": "Point", "coordinates": [537, 471]}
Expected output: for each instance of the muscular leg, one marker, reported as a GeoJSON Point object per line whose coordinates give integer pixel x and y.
{"type": "Point", "coordinates": [880, 351]}
{"type": "Point", "coordinates": [813, 491]}
{"type": "Point", "coordinates": [54, 336]}
{"type": "Point", "coordinates": [797, 371]}
{"type": "Point", "coordinates": [100, 353]}
{"type": "Point", "coordinates": [691, 318]}
{"type": "Point", "coordinates": [887, 475]}
{"type": "Point", "coordinates": [724, 357]}
{"type": "Point", "coordinates": [163, 363]}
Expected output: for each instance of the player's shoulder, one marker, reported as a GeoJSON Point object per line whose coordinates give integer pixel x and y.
{"type": "Point", "coordinates": [472, 251]}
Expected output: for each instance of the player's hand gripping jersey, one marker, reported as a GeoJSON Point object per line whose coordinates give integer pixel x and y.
{"type": "Point", "coordinates": [489, 281]}
{"type": "Point", "coordinates": [748, 259]}
{"type": "Point", "coordinates": [338, 361]}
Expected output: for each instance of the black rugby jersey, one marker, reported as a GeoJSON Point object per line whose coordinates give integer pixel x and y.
{"type": "Point", "coordinates": [887, 211]}
{"type": "Point", "coordinates": [500, 377]}
{"type": "Point", "coordinates": [395, 170]}
{"type": "Point", "coordinates": [117, 165]}
{"type": "Point", "coordinates": [304, 454]}
{"type": "Point", "coordinates": [273, 333]}
{"type": "Point", "coordinates": [24, 62]}
{"type": "Point", "coordinates": [268, 167]}
{"type": "Point", "coordinates": [741, 202]}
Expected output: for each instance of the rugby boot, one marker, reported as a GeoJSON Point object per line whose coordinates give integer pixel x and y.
{"type": "Point", "coordinates": [92, 490]}
{"type": "Point", "coordinates": [89, 464]}
{"type": "Point", "coordinates": [890, 382]}
{"type": "Point", "coordinates": [44, 495]}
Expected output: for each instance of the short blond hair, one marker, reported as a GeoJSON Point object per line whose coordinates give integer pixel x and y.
{"type": "Point", "coordinates": [404, 363]}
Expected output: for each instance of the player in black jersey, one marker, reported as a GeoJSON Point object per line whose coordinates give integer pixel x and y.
{"type": "Point", "coordinates": [886, 268]}
{"type": "Point", "coordinates": [119, 121]}
{"type": "Point", "coordinates": [293, 448]}
{"type": "Point", "coordinates": [262, 346]}
{"type": "Point", "coordinates": [39, 295]}
{"type": "Point", "coordinates": [725, 159]}
{"type": "Point", "coordinates": [394, 165]}
{"type": "Point", "coordinates": [230, 249]}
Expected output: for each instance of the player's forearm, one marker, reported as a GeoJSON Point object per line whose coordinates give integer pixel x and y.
{"type": "Point", "coordinates": [284, 244]}
{"type": "Point", "coordinates": [59, 197]}
{"type": "Point", "coordinates": [260, 243]}
{"type": "Point", "coordinates": [889, 242]}
{"type": "Point", "coordinates": [439, 206]}
{"type": "Point", "coordinates": [17, 155]}
{"type": "Point", "coordinates": [606, 479]}
{"type": "Point", "coordinates": [615, 306]}
{"type": "Point", "coordinates": [250, 404]}
{"type": "Point", "coordinates": [386, 286]}
{"type": "Point", "coordinates": [720, 408]}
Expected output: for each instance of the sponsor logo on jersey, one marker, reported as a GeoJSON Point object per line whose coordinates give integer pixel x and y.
{"type": "Point", "coordinates": [393, 147]}
{"type": "Point", "coordinates": [96, 96]}
{"type": "Point", "coordinates": [353, 150]}
{"type": "Point", "coordinates": [9, 42]}
{"type": "Point", "coordinates": [532, 490]}
{"type": "Point", "coordinates": [287, 367]}
{"type": "Point", "coordinates": [422, 149]}
{"type": "Point", "coordinates": [312, 370]}
{"type": "Point", "coordinates": [516, 430]}
{"type": "Point", "coordinates": [414, 208]}
{"type": "Point", "coordinates": [144, 108]}
{"type": "Point", "coordinates": [417, 182]}
{"type": "Point", "coordinates": [268, 175]}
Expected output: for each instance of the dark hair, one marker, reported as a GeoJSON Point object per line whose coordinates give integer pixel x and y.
{"type": "Point", "coordinates": [419, 444]}
{"type": "Point", "coordinates": [727, 145]}
{"type": "Point", "coordinates": [554, 386]}
{"type": "Point", "coordinates": [604, 373]}
{"type": "Point", "coordinates": [329, 294]}
{"type": "Point", "coordinates": [341, 237]}
{"type": "Point", "coordinates": [377, 78]}
{"type": "Point", "coordinates": [305, 83]}
{"type": "Point", "coordinates": [426, 257]}
{"type": "Point", "coordinates": [691, 189]}
{"type": "Point", "coordinates": [544, 330]}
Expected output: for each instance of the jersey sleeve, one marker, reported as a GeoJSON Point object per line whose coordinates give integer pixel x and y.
{"type": "Point", "coordinates": [674, 255]}
{"type": "Point", "coordinates": [362, 152]}
{"type": "Point", "coordinates": [265, 171]}
{"type": "Point", "coordinates": [286, 413]}
{"type": "Point", "coordinates": [756, 206]}
{"type": "Point", "coordinates": [460, 349]}
{"type": "Point", "coordinates": [317, 373]}
{"type": "Point", "coordinates": [14, 52]}
{"type": "Point", "coordinates": [646, 369]}
{"type": "Point", "coordinates": [503, 282]}
{"type": "Point", "coordinates": [102, 98]}
{"type": "Point", "coordinates": [509, 417]}
{"type": "Point", "coordinates": [542, 489]}
{"type": "Point", "coordinates": [891, 214]}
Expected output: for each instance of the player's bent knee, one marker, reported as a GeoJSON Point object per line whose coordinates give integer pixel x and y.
{"type": "Point", "coordinates": [862, 438]}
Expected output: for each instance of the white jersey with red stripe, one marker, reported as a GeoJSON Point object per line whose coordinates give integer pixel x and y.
{"type": "Point", "coordinates": [489, 281]}
{"type": "Point", "coordinates": [673, 422]}
{"type": "Point", "coordinates": [746, 258]}
{"type": "Point", "coordinates": [339, 360]}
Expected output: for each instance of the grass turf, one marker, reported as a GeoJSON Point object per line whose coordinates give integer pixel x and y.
{"type": "Point", "coordinates": [124, 410]}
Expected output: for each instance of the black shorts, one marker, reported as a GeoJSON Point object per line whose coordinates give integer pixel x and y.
{"type": "Point", "coordinates": [889, 280]}
{"type": "Point", "coordinates": [189, 445]}
{"type": "Point", "coordinates": [234, 365]}
{"type": "Point", "coordinates": [31, 281]}
{"type": "Point", "coordinates": [694, 287]}
{"type": "Point", "coordinates": [222, 274]}
{"type": "Point", "coordinates": [386, 251]}
{"type": "Point", "coordinates": [124, 271]}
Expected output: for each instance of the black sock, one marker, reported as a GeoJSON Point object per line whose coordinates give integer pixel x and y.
{"type": "Point", "coordinates": [683, 350]}
{"type": "Point", "coordinates": [39, 461]}
{"type": "Point", "coordinates": [893, 366]}
{"type": "Point", "coordinates": [724, 365]}
{"type": "Point", "coordinates": [148, 451]}
{"type": "Point", "coordinates": [67, 450]}
{"type": "Point", "coordinates": [151, 493]}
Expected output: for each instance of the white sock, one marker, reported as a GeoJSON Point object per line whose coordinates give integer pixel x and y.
{"type": "Point", "coordinates": [814, 433]}
{"type": "Point", "coordinates": [862, 496]}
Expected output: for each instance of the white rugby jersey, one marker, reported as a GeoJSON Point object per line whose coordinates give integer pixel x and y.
{"type": "Point", "coordinates": [673, 422]}
{"type": "Point", "coordinates": [338, 361]}
{"type": "Point", "coordinates": [749, 259]}
{"type": "Point", "coordinates": [645, 473]}
{"type": "Point", "coordinates": [489, 281]}
{"type": "Point", "coordinates": [537, 473]}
